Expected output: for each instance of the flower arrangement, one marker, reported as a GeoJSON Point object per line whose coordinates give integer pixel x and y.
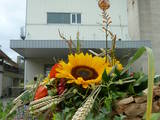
{"type": "Point", "coordinates": [90, 85]}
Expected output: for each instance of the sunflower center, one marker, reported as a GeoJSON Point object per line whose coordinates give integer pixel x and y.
{"type": "Point", "coordinates": [85, 72]}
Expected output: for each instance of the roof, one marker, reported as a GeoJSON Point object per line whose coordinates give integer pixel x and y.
{"type": "Point", "coordinates": [7, 59]}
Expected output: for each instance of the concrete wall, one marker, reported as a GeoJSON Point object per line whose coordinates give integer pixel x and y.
{"type": "Point", "coordinates": [133, 20]}
{"type": "Point", "coordinates": [148, 17]}
{"type": "Point", "coordinates": [38, 29]}
{"type": "Point", "coordinates": [154, 30]}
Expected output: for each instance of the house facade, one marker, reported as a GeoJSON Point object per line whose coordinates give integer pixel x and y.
{"type": "Point", "coordinates": [45, 17]}
{"type": "Point", "coordinates": [11, 76]}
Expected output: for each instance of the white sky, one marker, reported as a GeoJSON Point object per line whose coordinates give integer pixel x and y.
{"type": "Point", "coordinates": [12, 17]}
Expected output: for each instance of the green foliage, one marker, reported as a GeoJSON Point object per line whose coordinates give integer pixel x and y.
{"type": "Point", "coordinates": [154, 116]}
{"type": "Point", "coordinates": [121, 117]}
{"type": "Point", "coordinates": [151, 72]}
{"type": "Point", "coordinates": [121, 82]}
{"type": "Point", "coordinates": [65, 114]}
{"type": "Point", "coordinates": [4, 110]}
{"type": "Point", "coordinates": [108, 104]}
{"type": "Point", "coordinates": [105, 77]}
{"type": "Point", "coordinates": [136, 56]}
{"type": "Point", "coordinates": [27, 97]}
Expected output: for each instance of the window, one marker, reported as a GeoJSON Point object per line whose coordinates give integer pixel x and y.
{"type": "Point", "coordinates": [60, 18]}
{"type": "Point", "coordinates": [76, 18]}
{"type": "Point", "coordinates": [64, 18]}
{"type": "Point", "coordinates": [73, 18]}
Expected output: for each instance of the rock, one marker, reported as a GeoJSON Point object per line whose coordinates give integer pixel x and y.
{"type": "Point", "coordinates": [126, 101]}
{"type": "Point", "coordinates": [156, 107]}
{"type": "Point", "coordinates": [141, 99]}
{"type": "Point", "coordinates": [120, 109]}
{"type": "Point", "coordinates": [134, 110]}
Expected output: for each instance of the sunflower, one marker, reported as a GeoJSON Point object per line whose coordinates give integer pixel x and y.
{"type": "Point", "coordinates": [82, 69]}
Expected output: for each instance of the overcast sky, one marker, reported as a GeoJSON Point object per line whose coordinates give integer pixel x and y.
{"type": "Point", "coordinates": [12, 17]}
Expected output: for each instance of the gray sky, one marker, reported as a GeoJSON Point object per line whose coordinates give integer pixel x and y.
{"type": "Point", "coordinates": [12, 17]}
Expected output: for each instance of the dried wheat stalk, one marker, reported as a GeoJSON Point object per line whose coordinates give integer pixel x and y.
{"type": "Point", "coordinates": [19, 97]}
{"type": "Point", "coordinates": [83, 111]}
{"type": "Point", "coordinates": [43, 104]}
{"type": "Point", "coordinates": [41, 100]}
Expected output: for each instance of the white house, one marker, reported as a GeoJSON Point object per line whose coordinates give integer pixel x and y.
{"type": "Point", "coordinates": [45, 17]}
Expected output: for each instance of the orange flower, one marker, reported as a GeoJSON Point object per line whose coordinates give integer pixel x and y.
{"type": "Point", "coordinates": [52, 73]}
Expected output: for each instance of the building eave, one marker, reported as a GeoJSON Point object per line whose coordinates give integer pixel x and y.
{"type": "Point", "coordinates": [50, 48]}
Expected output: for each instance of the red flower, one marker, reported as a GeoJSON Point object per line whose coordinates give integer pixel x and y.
{"type": "Point", "coordinates": [40, 92]}
{"type": "Point", "coordinates": [61, 86]}
{"type": "Point", "coordinates": [53, 71]}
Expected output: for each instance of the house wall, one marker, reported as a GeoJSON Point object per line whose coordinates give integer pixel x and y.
{"type": "Point", "coordinates": [38, 29]}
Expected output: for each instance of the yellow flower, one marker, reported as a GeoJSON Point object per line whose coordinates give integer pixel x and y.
{"type": "Point", "coordinates": [119, 66]}
{"type": "Point", "coordinates": [81, 69]}
{"type": "Point", "coordinates": [109, 66]}
{"type": "Point", "coordinates": [108, 70]}
{"type": "Point", "coordinates": [46, 80]}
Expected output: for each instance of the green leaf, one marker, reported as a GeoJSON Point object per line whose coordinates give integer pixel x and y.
{"type": "Point", "coordinates": [137, 55]}
{"type": "Point", "coordinates": [151, 73]}
{"type": "Point", "coordinates": [141, 83]}
{"type": "Point", "coordinates": [154, 116]}
{"type": "Point", "coordinates": [131, 89]}
{"type": "Point", "coordinates": [116, 95]}
{"type": "Point", "coordinates": [142, 78]}
{"type": "Point", "coordinates": [27, 96]}
{"type": "Point", "coordinates": [56, 116]}
{"type": "Point", "coordinates": [105, 77]}
{"type": "Point", "coordinates": [121, 117]}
